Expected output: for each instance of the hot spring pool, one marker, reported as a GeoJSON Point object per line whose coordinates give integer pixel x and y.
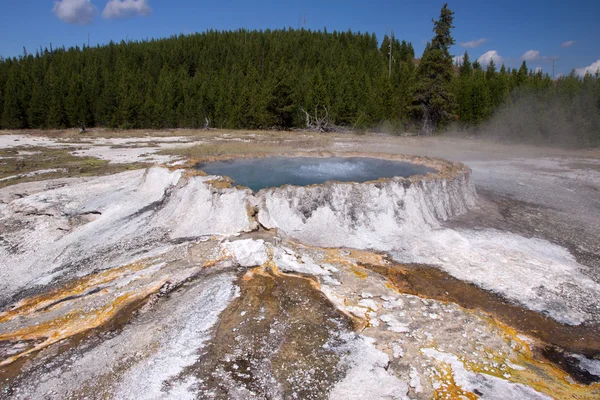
{"type": "Point", "coordinates": [260, 173]}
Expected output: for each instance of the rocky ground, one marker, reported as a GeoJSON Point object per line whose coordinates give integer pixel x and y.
{"type": "Point", "coordinates": [122, 281]}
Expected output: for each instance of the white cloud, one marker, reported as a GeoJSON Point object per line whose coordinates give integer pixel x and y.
{"type": "Point", "coordinates": [79, 12]}
{"type": "Point", "coordinates": [538, 69]}
{"type": "Point", "coordinates": [485, 59]}
{"type": "Point", "coordinates": [592, 68]}
{"type": "Point", "coordinates": [458, 60]}
{"type": "Point", "coordinates": [568, 43]}
{"type": "Point", "coordinates": [126, 9]}
{"type": "Point", "coordinates": [530, 55]}
{"type": "Point", "coordinates": [473, 43]}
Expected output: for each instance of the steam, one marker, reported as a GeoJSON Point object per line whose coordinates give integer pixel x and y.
{"type": "Point", "coordinates": [549, 118]}
{"type": "Point", "coordinates": [338, 169]}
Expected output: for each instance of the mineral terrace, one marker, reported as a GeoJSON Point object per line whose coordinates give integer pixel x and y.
{"type": "Point", "coordinates": [128, 274]}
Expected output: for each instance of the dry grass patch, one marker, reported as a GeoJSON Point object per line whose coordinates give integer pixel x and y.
{"type": "Point", "coordinates": [72, 135]}
{"type": "Point", "coordinates": [261, 145]}
{"type": "Point", "coordinates": [67, 165]}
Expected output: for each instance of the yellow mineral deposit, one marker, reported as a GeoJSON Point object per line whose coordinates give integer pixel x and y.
{"type": "Point", "coordinates": [44, 302]}
{"type": "Point", "coordinates": [222, 183]}
{"type": "Point", "coordinates": [367, 257]}
{"type": "Point", "coordinates": [522, 367]}
{"type": "Point", "coordinates": [75, 321]}
{"type": "Point", "coordinates": [222, 256]}
{"type": "Point", "coordinates": [190, 171]}
{"type": "Point", "coordinates": [270, 270]}
{"type": "Point", "coordinates": [335, 256]}
{"type": "Point", "coordinates": [446, 388]}
{"type": "Point", "coordinates": [530, 371]}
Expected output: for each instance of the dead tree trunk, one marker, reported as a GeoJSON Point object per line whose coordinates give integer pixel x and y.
{"type": "Point", "coordinates": [428, 127]}
{"type": "Point", "coordinates": [316, 123]}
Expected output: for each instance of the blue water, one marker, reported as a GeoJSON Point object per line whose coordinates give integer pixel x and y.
{"type": "Point", "coordinates": [259, 173]}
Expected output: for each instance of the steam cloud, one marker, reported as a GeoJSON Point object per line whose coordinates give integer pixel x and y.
{"type": "Point", "coordinates": [570, 120]}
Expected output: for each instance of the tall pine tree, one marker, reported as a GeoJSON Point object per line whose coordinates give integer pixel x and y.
{"type": "Point", "coordinates": [433, 98]}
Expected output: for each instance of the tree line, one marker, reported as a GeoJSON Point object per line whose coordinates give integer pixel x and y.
{"type": "Point", "coordinates": [239, 79]}
{"type": "Point", "coordinates": [262, 79]}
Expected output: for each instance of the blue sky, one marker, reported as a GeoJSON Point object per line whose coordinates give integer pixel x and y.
{"type": "Point", "coordinates": [506, 30]}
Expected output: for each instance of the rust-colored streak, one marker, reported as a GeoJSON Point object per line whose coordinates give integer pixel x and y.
{"type": "Point", "coordinates": [76, 288]}
{"type": "Point", "coordinates": [73, 323]}
{"type": "Point", "coordinates": [542, 376]}
{"type": "Point", "coordinates": [508, 321]}
{"type": "Point", "coordinates": [278, 329]}
{"type": "Point", "coordinates": [430, 282]}
{"type": "Point", "coordinates": [334, 256]}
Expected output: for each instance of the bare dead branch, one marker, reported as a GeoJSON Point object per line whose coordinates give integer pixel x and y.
{"type": "Point", "coordinates": [316, 123]}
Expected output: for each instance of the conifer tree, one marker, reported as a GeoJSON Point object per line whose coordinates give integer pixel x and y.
{"type": "Point", "coordinates": [13, 115]}
{"type": "Point", "coordinates": [466, 68]}
{"type": "Point", "coordinates": [520, 76]}
{"type": "Point", "coordinates": [37, 113]}
{"type": "Point", "coordinates": [464, 98]}
{"type": "Point", "coordinates": [251, 79]}
{"type": "Point", "coordinates": [3, 77]}
{"type": "Point", "coordinates": [433, 96]}
{"type": "Point", "coordinates": [76, 103]}
{"type": "Point", "coordinates": [281, 103]}
{"type": "Point", "coordinates": [491, 70]}
{"type": "Point", "coordinates": [480, 98]}
{"type": "Point", "coordinates": [503, 86]}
